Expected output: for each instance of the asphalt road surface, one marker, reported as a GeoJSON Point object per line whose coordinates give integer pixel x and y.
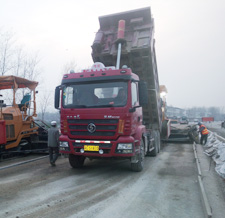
{"type": "Point", "coordinates": [167, 187]}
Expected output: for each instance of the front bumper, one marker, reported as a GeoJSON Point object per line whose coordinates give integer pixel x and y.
{"type": "Point", "coordinates": [99, 148]}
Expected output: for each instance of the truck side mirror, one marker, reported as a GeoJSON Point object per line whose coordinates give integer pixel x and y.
{"type": "Point", "coordinates": [57, 95]}
{"type": "Point", "coordinates": [143, 93]}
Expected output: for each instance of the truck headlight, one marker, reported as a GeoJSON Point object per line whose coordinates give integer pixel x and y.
{"type": "Point", "coordinates": [124, 146]}
{"type": "Point", "coordinates": [64, 144]}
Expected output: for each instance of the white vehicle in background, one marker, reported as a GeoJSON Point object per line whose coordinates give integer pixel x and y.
{"type": "Point", "coordinates": [196, 121]}
{"type": "Point", "coordinates": [184, 120]}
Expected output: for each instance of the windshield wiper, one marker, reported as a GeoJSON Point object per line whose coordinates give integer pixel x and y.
{"type": "Point", "coordinates": [104, 105]}
{"type": "Point", "coordinates": [94, 106]}
{"type": "Point", "coordinates": [81, 106]}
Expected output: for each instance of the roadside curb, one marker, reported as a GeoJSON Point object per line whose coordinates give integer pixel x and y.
{"type": "Point", "coordinates": [205, 201]}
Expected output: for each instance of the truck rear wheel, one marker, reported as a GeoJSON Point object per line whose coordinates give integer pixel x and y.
{"type": "Point", "coordinates": [158, 141]}
{"type": "Point", "coordinates": [76, 161]}
{"type": "Point", "coordinates": [164, 129]}
{"type": "Point", "coordinates": [156, 136]}
{"type": "Point", "coordinates": [137, 167]}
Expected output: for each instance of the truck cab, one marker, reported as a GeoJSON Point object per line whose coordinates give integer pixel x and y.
{"type": "Point", "coordinates": [101, 113]}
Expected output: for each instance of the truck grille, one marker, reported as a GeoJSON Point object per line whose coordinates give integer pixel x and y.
{"type": "Point", "coordinates": [103, 127]}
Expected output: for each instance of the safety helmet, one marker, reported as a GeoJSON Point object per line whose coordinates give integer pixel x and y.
{"type": "Point", "coordinates": [53, 123]}
{"type": "Point", "coordinates": [199, 123]}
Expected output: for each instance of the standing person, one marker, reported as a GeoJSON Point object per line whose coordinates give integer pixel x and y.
{"type": "Point", "coordinates": [53, 143]}
{"type": "Point", "coordinates": [204, 133]}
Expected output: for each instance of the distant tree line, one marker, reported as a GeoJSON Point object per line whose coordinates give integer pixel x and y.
{"type": "Point", "coordinates": [197, 112]}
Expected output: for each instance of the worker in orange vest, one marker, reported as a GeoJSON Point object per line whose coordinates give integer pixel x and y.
{"type": "Point", "coordinates": [204, 133]}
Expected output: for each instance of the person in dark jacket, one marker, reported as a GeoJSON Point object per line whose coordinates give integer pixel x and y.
{"type": "Point", "coordinates": [204, 133]}
{"type": "Point", "coordinates": [53, 143]}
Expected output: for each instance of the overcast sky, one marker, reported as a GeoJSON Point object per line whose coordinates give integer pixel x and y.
{"type": "Point", "coordinates": [190, 41]}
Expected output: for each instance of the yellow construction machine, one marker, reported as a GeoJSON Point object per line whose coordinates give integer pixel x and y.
{"type": "Point", "coordinates": [17, 112]}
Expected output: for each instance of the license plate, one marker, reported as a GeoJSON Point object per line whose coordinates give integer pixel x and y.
{"type": "Point", "coordinates": [91, 148]}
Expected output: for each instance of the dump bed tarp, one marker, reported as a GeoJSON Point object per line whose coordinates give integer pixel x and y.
{"type": "Point", "coordinates": [14, 82]}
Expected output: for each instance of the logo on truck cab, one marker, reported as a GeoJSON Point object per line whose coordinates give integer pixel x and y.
{"type": "Point", "coordinates": [91, 127]}
{"type": "Point", "coordinates": [112, 117]}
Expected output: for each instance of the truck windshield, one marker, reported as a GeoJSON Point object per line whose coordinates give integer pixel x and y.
{"type": "Point", "coordinates": [107, 94]}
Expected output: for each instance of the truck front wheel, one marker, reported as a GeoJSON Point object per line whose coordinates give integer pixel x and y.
{"type": "Point", "coordinates": [76, 161]}
{"type": "Point", "coordinates": [138, 166]}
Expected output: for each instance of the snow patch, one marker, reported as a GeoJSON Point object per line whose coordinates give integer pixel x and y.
{"type": "Point", "coordinates": [216, 149]}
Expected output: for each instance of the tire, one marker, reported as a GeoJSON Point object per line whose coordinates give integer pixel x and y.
{"type": "Point", "coordinates": [164, 129]}
{"type": "Point", "coordinates": [156, 143]}
{"type": "Point", "coordinates": [138, 167]}
{"type": "Point", "coordinates": [25, 146]}
{"type": "Point", "coordinates": [76, 161]}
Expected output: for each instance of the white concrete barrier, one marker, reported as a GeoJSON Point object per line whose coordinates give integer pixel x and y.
{"type": "Point", "coordinates": [218, 136]}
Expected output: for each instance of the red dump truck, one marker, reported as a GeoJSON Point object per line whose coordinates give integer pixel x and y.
{"type": "Point", "coordinates": [114, 110]}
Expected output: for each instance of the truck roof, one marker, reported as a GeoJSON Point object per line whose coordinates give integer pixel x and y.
{"type": "Point", "coordinates": [96, 74]}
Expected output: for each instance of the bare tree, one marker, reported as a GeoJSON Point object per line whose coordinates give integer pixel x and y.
{"type": "Point", "coordinates": [33, 71]}
{"type": "Point", "coordinates": [70, 66]}
{"type": "Point", "coordinates": [6, 52]}
{"type": "Point", "coordinates": [14, 60]}
{"type": "Point", "coordinates": [19, 57]}
{"type": "Point", "coordinates": [44, 104]}
{"type": "Point", "coordinates": [27, 66]}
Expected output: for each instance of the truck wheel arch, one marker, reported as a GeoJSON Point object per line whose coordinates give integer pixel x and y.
{"type": "Point", "coordinates": [139, 135]}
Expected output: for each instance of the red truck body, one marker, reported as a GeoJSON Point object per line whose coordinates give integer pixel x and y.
{"type": "Point", "coordinates": [95, 122]}
{"type": "Point", "coordinates": [207, 119]}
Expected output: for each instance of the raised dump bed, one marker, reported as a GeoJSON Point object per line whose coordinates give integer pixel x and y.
{"type": "Point", "coordinates": [138, 53]}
